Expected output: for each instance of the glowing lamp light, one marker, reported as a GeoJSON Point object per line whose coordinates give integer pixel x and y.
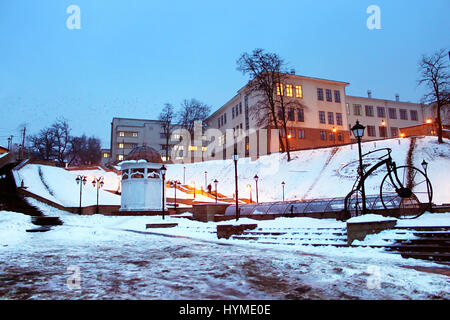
{"type": "Point", "coordinates": [429, 121]}
{"type": "Point", "coordinates": [402, 135]}
{"type": "Point", "coordinates": [289, 136]}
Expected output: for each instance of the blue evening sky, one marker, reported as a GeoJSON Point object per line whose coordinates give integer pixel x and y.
{"type": "Point", "coordinates": [130, 57]}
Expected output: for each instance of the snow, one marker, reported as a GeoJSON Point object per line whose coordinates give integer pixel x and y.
{"type": "Point", "coordinates": [317, 173]}
{"type": "Point", "coordinates": [58, 185]}
{"type": "Point", "coordinates": [370, 218]}
{"type": "Point", "coordinates": [119, 258]}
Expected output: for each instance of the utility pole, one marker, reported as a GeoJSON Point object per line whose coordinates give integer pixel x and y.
{"type": "Point", "coordinates": [23, 143]}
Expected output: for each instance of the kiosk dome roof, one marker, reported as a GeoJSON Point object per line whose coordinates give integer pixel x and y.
{"type": "Point", "coordinates": [144, 153]}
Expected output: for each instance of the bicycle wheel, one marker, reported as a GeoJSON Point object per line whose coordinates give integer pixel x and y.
{"type": "Point", "coordinates": [410, 196]}
{"type": "Point", "coordinates": [353, 204]}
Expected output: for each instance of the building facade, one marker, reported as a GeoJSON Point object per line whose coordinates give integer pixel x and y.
{"type": "Point", "coordinates": [315, 118]}
{"type": "Point", "coordinates": [383, 118]}
{"type": "Point", "coordinates": [127, 134]}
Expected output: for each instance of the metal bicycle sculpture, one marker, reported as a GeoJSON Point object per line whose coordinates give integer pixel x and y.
{"type": "Point", "coordinates": [405, 191]}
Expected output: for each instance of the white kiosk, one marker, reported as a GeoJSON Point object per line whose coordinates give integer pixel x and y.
{"type": "Point", "coordinates": [142, 181]}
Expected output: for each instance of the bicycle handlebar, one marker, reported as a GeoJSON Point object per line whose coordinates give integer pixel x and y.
{"type": "Point", "coordinates": [389, 150]}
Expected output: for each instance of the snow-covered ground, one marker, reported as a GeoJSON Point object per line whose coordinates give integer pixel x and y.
{"type": "Point", "coordinates": [59, 185]}
{"type": "Point", "coordinates": [119, 258]}
{"type": "Point", "coordinates": [319, 173]}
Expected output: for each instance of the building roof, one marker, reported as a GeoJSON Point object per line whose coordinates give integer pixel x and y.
{"type": "Point", "coordinates": [144, 153]}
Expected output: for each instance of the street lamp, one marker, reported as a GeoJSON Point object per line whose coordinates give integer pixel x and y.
{"type": "Point", "coordinates": [358, 132]}
{"type": "Point", "coordinates": [282, 185]}
{"type": "Point", "coordinates": [175, 191]}
{"type": "Point", "coordinates": [425, 167]}
{"type": "Point", "coordinates": [256, 180]}
{"type": "Point", "coordinates": [97, 183]}
{"type": "Point", "coordinates": [81, 180]}
{"type": "Point", "coordinates": [206, 180]}
{"type": "Point", "coordinates": [215, 183]}
{"type": "Point", "coordinates": [184, 175]}
{"type": "Point", "coordinates": [235, 159]}
{"type": "Point", "coordinates": [163, 170]}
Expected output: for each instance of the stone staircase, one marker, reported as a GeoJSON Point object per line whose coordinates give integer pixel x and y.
{"type": "Point", "coordinates": [425, 243]}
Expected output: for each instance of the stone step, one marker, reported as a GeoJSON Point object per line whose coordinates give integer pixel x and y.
{"type": "Point", "coordinates": [433, 234]}
{"type": "Point", "coordinates": [418, 248]}
{"type": "Point", "coordinates": [443, 241]}
{"type": "Point", "coordinates": [438, 228]}
{"type": "Point", "coordinates": [426, 256]}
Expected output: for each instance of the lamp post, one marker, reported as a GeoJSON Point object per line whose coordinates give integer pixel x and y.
{"type": "Point", "coordinates": [215, 183]}
{"type": "Point", "coordinates": [235, 159]}
{"type": "Point", "coordinates": [97, 183]}
{"type": "Point", "coordinates": [358, 132]}
{"type": "Point", "coordinates": [184, 175]}
{"type": "Point", "coordinates": [81, 180]}
{"type": "Point", "coordinates": [256, 180]}
{"type": "Point", "coordinates": [282, 185]}
{"type": "Point", "coordinates": [206, 180]}
{"type": "Point", "coordinates": [163, 170]}
{"type": "Point", "coordinates": [174, 183]}
{"type": "Point", "coordinates": [425, 167]}
{"type": "Point", "coordinates": [249, 188]}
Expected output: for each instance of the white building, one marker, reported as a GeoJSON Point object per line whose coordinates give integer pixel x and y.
{"type": "Point", "coordinates": [142, 181]}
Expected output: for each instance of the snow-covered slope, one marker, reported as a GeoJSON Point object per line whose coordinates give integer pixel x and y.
{"type": "Point", "coordinates": [319, 173]}
{"type": "Point", "coordinates": [58, 185]}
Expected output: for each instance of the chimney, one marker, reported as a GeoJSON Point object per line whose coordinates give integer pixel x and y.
{"type": "Point", "coordinates": [292, 71]}
{"type": "Point", "coordinates": [397, 97]}
{"type": "Point", "coordinates": [369, 94]}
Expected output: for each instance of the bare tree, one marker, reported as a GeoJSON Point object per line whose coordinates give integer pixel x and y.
{"type": "Point", "coordinates": [268, 78]}
{"type": "Point", "coordinates": [84, 150]}
{"type": "Point", "coordinates": [435, 77]}
{"type": "Point", "coordinates": [42, 145]}
{"type": "Point", "coordinates": [167, 117]}
{"type": "Point", "coordinates": [191, 111]}
{"type": "Point", "coordinates": [61, 133]}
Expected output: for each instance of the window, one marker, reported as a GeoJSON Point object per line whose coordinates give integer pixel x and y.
{"type": "Point", "coordinates": [282, 133]}
{"type": "Point", "coordinates": [105, 155]}
{"type": "Point", "coordinates": [137, 173]}
{"type": "Point", "coordinates": [299, 91]}
{"type": "Point", "coordinates": [232, 113]}
{"type": "Point", "coordinates": [323, 135]}
{"type": "Point", "coordinates": [291, 114]}
{"type": "Point", "coordinates": [237, 110]}
{"type": "Point", "coordinates": [414, 115]}
{"type": "Point", "coordinates": [369, 111]}
{"type": "Point", "coordinates": [394, 132]}
{"type": "Point", "coordinates": [224, 118]}
{"type": "Point", "coordinates": [120, 157]}
{"type": "Point", "coordinates": [289, 90]}
{"type": "Point", "coordinates": [381, 112]}
{"type": "Point", "coordinates": [340, 137]}
{"type": "Point", "coordinates": [392, 113]}
{"type": "Point", "coordinates": [320, 94]}
{"type": "Point", "coordinates": [322, 117]}
{"type": "Point", "coordinates": [291, 133]}
{"type": "Point", "coordinates": [280, 89]}
{"type": "Point", "coordinates": [121, 145]}
{"type": "Point", "coordinates": [280, 113]}
{"type": "Point", "coordinates": [135, 134]}
{"type": "Point", "coordinates": [383, 132]}
{"type": "Point", "coordinates": [125, 175]}
{"type": "Point", "coordinates": [330, 118]}
{"type": "Point", "coordinates": [347, 108]}
{"type": "Point", "coordinates": [329, 97]}
{"type": "Point", "coordinates": [121, 134]}
{"type": "Point", "coordinates": [357, 109]}
{"type": "Point", "coordinates": [301, 134]}
{"type": "Point", "coordinates": [332, 136]}
{"type": "Point", "coordinates": [337, 96]}
{"type": "Point", "coordinates": [339, 119]}
{"type": "Point", "coordinates": [218, 122]}
{"type": "Point", "coordinates": [371, 131]}
{"type": "Point", "coordinates": [300, 115]}
{"type": "Point", "coordinates": [403, 114]}
{"type": "Point", "coordinates": [240, 107]}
